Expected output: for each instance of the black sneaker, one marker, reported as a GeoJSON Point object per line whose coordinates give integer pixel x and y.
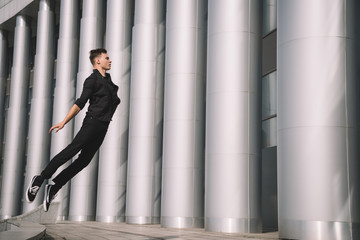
{"type": "Point", "coordinates": [50, 194]}
{"type": "Point", "coordinates": [33, 188]}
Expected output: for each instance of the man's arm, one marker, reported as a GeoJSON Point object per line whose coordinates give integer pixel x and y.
{"type": "Point", "coordinates": [71, 114]}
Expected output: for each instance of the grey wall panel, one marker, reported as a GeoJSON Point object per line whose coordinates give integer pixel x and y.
{"type": "Point", "coordinates": [269, 201]}
{"type": "Point", "coordinates": [318, 120]}
{"type": "Point", "coordinates": [15, 138]}
{"type": "Point", "coordinates": [84, 185]}
{"type": "Point", "coordinates": [64, 95]}
{"type": "Point", "coordinates": [232, 184]}
{"type": "Point", "coordinates": [3, 78]}
{"type": "Point", "coordinates": [269, 53]}
{"type": "Point", "coordinates": [353, 88]}
{"type": "Point", "coordinates": [184, 115]}
{"type": "Point", "coordinates": [113, 153]}
{"type": "Point", "coordinates": [146, 113]}
{"type": "Point", "coordinates": [41, 102]}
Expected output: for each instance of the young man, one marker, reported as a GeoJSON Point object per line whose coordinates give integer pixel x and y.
{"type": "Point", "coordinates": [102, 93]}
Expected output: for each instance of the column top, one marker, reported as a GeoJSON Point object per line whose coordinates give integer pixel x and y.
{"type": "Point", "coordinates": [22, 21]}
{"type": "Point", "coordinates": [46, 5]}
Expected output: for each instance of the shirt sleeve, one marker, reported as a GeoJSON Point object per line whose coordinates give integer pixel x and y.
{"type": "Point", "coordinates": [87, 91]}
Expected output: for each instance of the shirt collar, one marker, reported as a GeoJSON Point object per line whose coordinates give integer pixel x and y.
{"type": "Point", "coordinates": [97, 71]}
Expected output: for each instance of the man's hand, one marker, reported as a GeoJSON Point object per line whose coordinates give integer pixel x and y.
{"type": "Point", "coordinates": [72, 113]}
{"type": "Point", "coordinates": [58, 127]}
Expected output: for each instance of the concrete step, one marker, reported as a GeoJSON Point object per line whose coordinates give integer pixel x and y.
{"type": "Point", "coordinates": [29, 225]}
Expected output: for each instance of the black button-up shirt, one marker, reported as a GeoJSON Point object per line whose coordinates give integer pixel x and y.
{"type": "Point", "coordinates": [102, 93]}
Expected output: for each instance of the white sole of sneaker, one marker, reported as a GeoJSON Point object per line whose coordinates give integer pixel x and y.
{"type": "Point", "coordinates": [27, 190]}
{"type": "Point", "coordinates": [44, 206]}
{"type": "Point", "coordinates": [46, 195]}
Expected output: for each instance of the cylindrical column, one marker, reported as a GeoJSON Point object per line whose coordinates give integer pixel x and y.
{"type": "Point", "coordinates": [13, 166]}
{"type": "Point", "coordinates": [84, 185]}
{"type": "Point", "coordinates": [182, 202]}
{"type": "Point", "coordinates": [146, 113]}
{"type": "Point", "coordinates": [232, 195]}
{"type": "Point", "coordinates": [269, 16]}
{"type": "Point", "coordinates": [113, 153]}
{"type": "Point", "coordinates": [41, 102]}
{"type": "Point", "coordinates": [318, 119]}
{"type": "Point", "coordinates": [3, 77]}
{"type": "Point", "coordinates": [64, 96]}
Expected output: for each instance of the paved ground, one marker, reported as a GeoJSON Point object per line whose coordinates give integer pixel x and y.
{"type": "Point", "coordinates": [118, 231]}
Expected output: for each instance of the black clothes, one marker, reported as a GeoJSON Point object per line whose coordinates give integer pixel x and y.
{"type": "Point", "coordinates": [88, 140]}
{"type": "Point", "coordinates": [102, 93]}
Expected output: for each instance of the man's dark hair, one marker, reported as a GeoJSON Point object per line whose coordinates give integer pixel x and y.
{"type": "Point", "coordinates": [96, 53]}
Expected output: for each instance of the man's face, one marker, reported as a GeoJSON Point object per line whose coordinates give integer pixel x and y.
{"type": "Point", "coordinates": [104, 61]}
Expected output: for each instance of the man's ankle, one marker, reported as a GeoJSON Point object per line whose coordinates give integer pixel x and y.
{"type": "Point", "coordinates": [57, 187]}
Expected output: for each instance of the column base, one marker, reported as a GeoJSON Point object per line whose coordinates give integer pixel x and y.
{"type": "Point", "coordinates": [142, 220]}
{"type": "Point", "coordinates": [110, 219]}
{"type": "Point", "coordinates": [61, 218]}
{"type": "Point", "coordinates": [81, 218]}
{"type": "Point", "coordinates": [4, 217]}
{"type": "Point", "coordinates": [182, 222]}
{"type": "Point", "coordinates": [298, 229]}
{"type": "Point", "coordinates": [233, 225]}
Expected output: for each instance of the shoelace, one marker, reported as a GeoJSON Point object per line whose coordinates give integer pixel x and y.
{"type": "Point", "coordinates": [34, 190]}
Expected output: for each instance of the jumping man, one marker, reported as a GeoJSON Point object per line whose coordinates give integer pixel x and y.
{"type": "Point", "coordinates": [102, 94]}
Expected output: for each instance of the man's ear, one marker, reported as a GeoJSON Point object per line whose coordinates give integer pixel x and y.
{"type": "Point", "coordinates": [97, 60]}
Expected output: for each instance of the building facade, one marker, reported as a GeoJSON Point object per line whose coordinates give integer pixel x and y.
{"type": "Point", "coordinates": [235, 115]}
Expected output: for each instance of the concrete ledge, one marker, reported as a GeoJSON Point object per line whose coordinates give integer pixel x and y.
{"type": "Point", "coordinates": [38, 215]}
{"type": "Point", "coordinates": [15, 229]}
{"type": "Point", "coordinates": [29, 225]}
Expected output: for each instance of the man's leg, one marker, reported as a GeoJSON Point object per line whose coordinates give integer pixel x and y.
{"type": "Point", "coordinates": [85, 157]}
{"type": "Point", "coordinates": [74, 147]}
{"type": "Point", "coordinates": [71, 150]}
{"type": "Point", "coordinates": [80, 163]}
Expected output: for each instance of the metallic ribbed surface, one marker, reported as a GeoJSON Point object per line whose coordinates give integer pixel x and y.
{"type": "Point", "coordinates": [232, 195]}
{"type": "Point", "coordinates": [318, 119]}
{"type": "Point", "coordinates": [41, 102]}
{"type": "Point", "coordinates": [3, 77]}
{"type": "Point", "coordinates": [64, 94]}
{"type": "Point", "coordinates": [84, 185]}
{"type": "Point", "coordinates": [113, 152]}
{"type": "Point", "coordinates": [146, 113]}
{"type": "Point", "coordinates": [16, 123]}
{"type": "Point", "coordinates": [182, 202]}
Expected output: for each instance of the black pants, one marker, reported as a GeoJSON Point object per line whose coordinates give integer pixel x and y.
{"type": "Point", "coordinates": [88, 140]}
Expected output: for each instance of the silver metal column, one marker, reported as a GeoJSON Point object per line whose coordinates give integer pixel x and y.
{"type": "Point", "coordinates": [13, 173]}
{"type": "Point", "coordinates": [269, 16]}
{"type": "Point", "coordinates": [232, 195]}
{"type": "Point", "coordinates": [182, 202]}
{"type": "Point", "coordinates": [64, 96]}
{"type": "Point", "coordinates": [113, 153]}
{"type": "Point", "coordinates": [41, 102]}
{"type": "Point", "coordinates": [3, 77]}
{"type": "Point", "coordinates": [318, 119]}
{"type": "Point", "coordinates": [84, 185]}
{"type": "Point", "coordinates": [146, 113]}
